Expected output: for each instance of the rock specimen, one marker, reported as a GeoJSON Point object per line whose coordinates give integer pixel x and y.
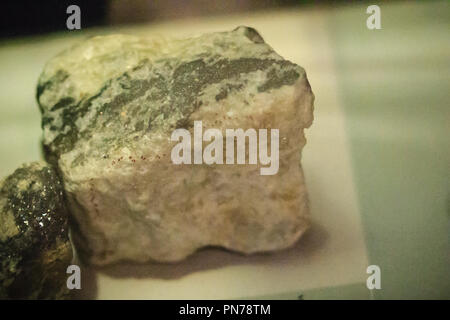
{"type": "Point", "coordinates": [34, 246]}
{"type": "Point", "coordinates": [109, 107]}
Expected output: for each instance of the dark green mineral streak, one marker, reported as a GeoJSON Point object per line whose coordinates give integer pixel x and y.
{"type": "Point", "coordinates": [172, 91]}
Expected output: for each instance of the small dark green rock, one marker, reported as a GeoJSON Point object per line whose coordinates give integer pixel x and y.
{"type": "Point", "coordinates": [35, 250]}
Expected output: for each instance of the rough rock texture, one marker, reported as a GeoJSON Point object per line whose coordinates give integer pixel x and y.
{"type": "Point", "coordinates": [109, 106]}
{"type": "Point", "coordinates": [34, 246]}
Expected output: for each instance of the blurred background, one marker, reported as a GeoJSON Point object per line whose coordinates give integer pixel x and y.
{"type": "Point", "coordinates": [27, 17]}
{"type": "Point", "coordinates": [378, 153]}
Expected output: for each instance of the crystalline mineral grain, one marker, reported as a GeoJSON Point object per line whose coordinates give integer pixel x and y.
{"type": "Point", "coordinates": [109, 106]}
{"type": "Point", "coordinates": [34, 245]}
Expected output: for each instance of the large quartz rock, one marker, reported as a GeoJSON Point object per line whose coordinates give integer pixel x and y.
{"type": "Point", "coordinates": [109, 106]}
{"type": "Point", "coordinates": [34, 245]}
